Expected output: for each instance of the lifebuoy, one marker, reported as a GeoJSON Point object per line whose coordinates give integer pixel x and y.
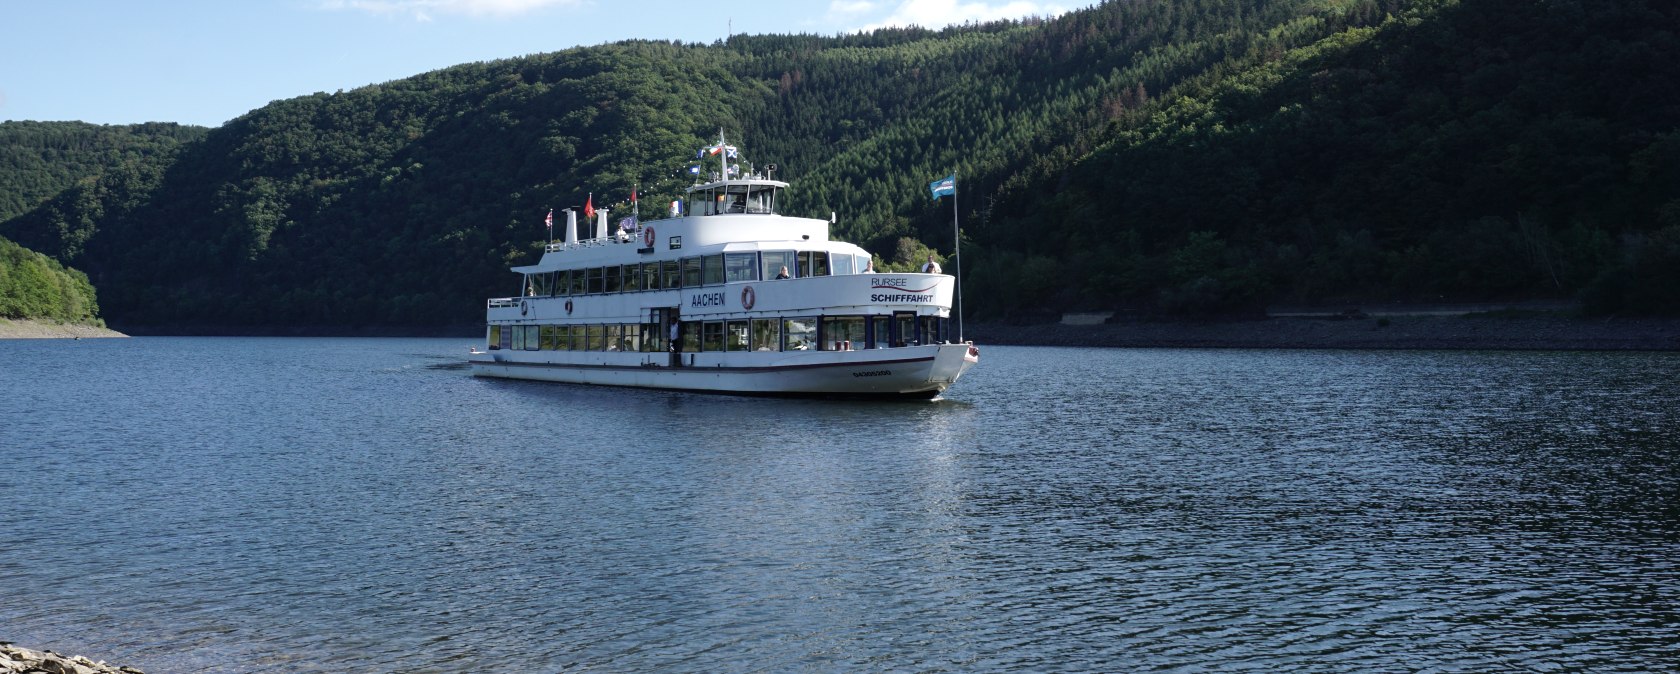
{"type": "Point", "coordinates": [568, 307]}
{"type": "Point", "coordinates": [748, 298]}
{"type": "Point", "coordinates": [647, 236]}
{"type": "Point", "coordinates": [524, 307]}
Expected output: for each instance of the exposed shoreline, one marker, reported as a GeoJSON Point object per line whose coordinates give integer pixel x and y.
{"type": "Point", "coordinates": [35, 329]}
{"type": "Point", "coordinates": [1426, 331]}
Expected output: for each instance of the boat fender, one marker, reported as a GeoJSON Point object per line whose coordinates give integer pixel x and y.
{"type": "Point", "coordinates": [568, 307]}
{"type": "Point", "coordinates": [524, 307]}
{"type": "Point", "coordinates": [647, 237]}
{"type": "Point", "coordinates": [748, 298]}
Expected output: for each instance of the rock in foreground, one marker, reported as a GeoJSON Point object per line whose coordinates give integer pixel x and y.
{"type": "Point", "coordinates": [17, 659]}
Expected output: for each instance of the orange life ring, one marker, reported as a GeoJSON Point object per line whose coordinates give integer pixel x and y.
{"type": "Point", "coordinates": [748, 298]}
{"type": "Point", "coordinates": [647, 236]}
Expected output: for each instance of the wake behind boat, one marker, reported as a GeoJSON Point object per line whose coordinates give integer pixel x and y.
{"type": "Point", "coordinates": [726, 295]}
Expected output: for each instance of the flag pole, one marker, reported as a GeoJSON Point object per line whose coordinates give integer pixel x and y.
{"type": "Point", "coordinates": [956, 252]}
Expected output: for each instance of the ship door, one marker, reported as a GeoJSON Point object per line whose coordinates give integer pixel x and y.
{"type": "Point", "coordinates": [668, 321]}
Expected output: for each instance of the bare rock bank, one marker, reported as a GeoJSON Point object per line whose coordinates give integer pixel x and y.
{"type": "Point", "coordinates": [32, 329]}
{"type": "Point", "coordinates": [19, 660]}
{"type": "Point", "coordinates": [1386, 332]}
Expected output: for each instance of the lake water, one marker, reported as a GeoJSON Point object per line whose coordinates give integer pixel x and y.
{"type": "Point", "coordinates": [297, 505]}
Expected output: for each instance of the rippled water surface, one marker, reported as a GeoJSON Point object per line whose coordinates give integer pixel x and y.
{"type": "Point", "coordinates": [287, 505]}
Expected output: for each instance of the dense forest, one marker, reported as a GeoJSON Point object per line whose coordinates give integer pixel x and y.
{"type": "Point", "coordinates": [34, 286]}
{"type": "Point", "coordinates": [39, 160]}
{"type": "Point", "coordinates": [1152, 156]}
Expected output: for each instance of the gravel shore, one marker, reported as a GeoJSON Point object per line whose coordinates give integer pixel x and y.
{"type": "Point", "coordinates": [17, 659]}
{"type": "Point", "coordinates": [30, 329]}
{"type": "Point", "coordinates": [1389, 332]}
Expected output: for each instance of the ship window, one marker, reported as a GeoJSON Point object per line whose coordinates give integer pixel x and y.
{"type": "Point", "coordinates": [594, 286]}
{"type": "Point", "coordinates": [562, 338]}
{"type": "Point", "coordinates": [650, 276]}
{"type": "Point", "coordinates": [711, 336]}
{"type": "Point", "coordinates": [774, 260]}
{"type": "Point", "coordinates": [632, 338]}
{"type": "Point", "coordinates": [740, 267]}
{"type": "Point", "coordinates": [842, 264]}
{"type": "Point", "coordinates": [691, 272]}
{"type": "Point", "coordinates": [614, 279]}
{"type": "Point", "coordinates": [880, 337]}
{"type": "Point", "coordinates": [547, 338]}
{"type": "Point", "coordinates": [690, 336]}
{"type": "Point", "coordinates": [562, 285]}
{"type": "Point", "coordinates": [761, 199]}
{"type": "Point", "coordinates": [494, 340]}
{"type": "Point", "coordinates": [904, 325]}
{"type": "Point", "coordinates": [767, 334]}
{"type": "Point", "coordinates": [532, 337]}
{"type": "Point", "coordinates": [632, 277]}
{"type": "Point", "coordinates": [819, 263]}
{"type": "Point", "coordinates": [842, 333]}
{"type": "Point", "coordinates": [804, 267]}
{"type": "Point", "coordinates": [593, 338]}
{"type": "Point", "coordinates": [738, 336]}
{"type": "Point", "coordinates": [932, 330]}
{"type": "Point", "coordinates": [578, 282]}
{"type": "Point", "coordinates": [800, 334]}
{"type": "Point", "coordinates": [863, 262]}
{"type": "Point", "coordinates": [613, 334]}
{"type": "Point", "coordinates": [714, 269]}
{"type": "Point", "coordinates": [672, 278]}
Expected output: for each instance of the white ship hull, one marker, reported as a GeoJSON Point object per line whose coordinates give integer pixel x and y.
{"type": "Point", "coordinates": [912, 372]}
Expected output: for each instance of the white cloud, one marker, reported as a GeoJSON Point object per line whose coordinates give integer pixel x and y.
{"type": "Point", "coordinates": [425, 10]}
{"type": "Point", "coordinates": [941, 13]}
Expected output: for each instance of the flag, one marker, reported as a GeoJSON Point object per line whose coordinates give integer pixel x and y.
{"type": "Point", "coordinates": [632, 195]}
{"type": "Point", "coordinates": [694, 170]}
{"type": "Point", "coordinates": [550, 219]}
{"type": "Point", "coordinates": [946, 186]}
{"type": "Point", "coordinates": [730, 152]}
{"type": "Point", "coordinates": [589, 207]}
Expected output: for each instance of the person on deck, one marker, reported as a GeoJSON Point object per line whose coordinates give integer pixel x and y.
{"type": "Point", "coordinates": [931, 267]}
{"type": "Point", "coordinates": [783, 274]}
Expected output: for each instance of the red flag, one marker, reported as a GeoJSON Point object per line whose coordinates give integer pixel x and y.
{"type": "Point", "coordinates": [589, 207]}
{"type": "Point", "coordinates": [632, 195]}
{"type": "Point", "coordinates": [550, 219]}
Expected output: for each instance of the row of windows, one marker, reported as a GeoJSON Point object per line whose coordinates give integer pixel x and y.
{"type": "Point", "coordinates": [826, 333]}
{"type": "Point", "coordinates": [694, 272]}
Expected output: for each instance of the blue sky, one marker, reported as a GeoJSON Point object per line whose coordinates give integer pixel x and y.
{"type": "Point", "coordinates": [207, 61]}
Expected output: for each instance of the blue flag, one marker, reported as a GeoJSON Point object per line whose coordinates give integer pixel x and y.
{"type": "Point", "coordinates": [946, 186]}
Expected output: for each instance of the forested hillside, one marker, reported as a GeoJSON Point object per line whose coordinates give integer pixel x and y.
{"type": "Point", "coordinates": [1173, 156]}
{"type": "Point", "coordinates": [38, 160]}
{"type": "Point", "coordinates": [34, 286]}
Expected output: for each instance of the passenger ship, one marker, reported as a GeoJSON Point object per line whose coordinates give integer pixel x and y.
{"type": "Point", "coordinates": [695, 302]}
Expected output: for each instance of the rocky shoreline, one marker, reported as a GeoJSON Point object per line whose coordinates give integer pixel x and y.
{"type": "Point", "coordinates": [1427, 332]}
{"type": "Point", "coordinates": [19, 660]}
{"type": "Point", "coordinates": [33, 329]}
